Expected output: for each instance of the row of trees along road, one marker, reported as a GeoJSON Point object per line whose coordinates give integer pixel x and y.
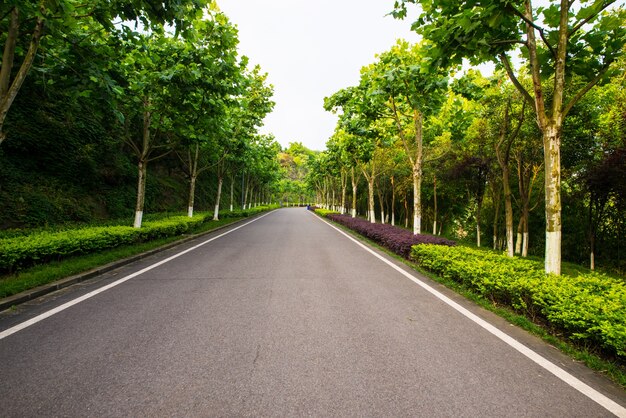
{"type": "Point", "coordinates": [159, 82]}
{"type": "Point", "coordinates": [484, 137]}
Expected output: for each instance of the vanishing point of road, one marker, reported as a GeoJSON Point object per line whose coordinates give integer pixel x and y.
{"type": "Point", "coordinates": [282, 316]}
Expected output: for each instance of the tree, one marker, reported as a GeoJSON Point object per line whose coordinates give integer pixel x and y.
{"type": "Point", "coordinates": [357, 119]}
{"type": "Point", "coordinates": [566, 38]}
{"type": "Point", "coordinates": [27, 23]}
{"type": "Point", "coordinates": [240, 124]}
{"type": "Point", "coordinates": [410, 92]}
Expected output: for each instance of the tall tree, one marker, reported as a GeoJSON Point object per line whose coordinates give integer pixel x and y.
{"type": "Point", "coordinates": [411, 92]}
{"type": "Point", "coordinates": [564, 39]}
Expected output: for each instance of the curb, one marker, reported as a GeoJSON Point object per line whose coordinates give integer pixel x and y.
{"type": "Point", "coordinates": [28, 295]}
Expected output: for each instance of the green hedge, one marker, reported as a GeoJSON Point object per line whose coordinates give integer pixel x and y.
{"type": "Point", "coordinates": [589, 308]}
{"type": "Point", "coordinates": [324, 212]}
{"type": "Point", "coordinates": [42, 247]}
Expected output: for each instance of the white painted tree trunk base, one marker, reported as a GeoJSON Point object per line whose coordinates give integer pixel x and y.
{"type": "Point", "coordinates": [417, 225]}
{"type": "Point", "coordinates": [138, 218]}
{"type": "Point", "coordinates": [525, 245]}
{"type": "Point", "coordinates": [190, 211]}
{"type": "Point", "coordinates": [553, 252]}
{"type": "Point", "coordinates": [518, 244]}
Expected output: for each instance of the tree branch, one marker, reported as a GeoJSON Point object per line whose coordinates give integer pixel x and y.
{"type": "Point", "coordinates": [585, 89]}
{"type": "Point", "coordinates": [589, 18]}
{"type": "Point", "coordinates": [535, 26]}
{"type": "Point", "coordinates": [507, 65]}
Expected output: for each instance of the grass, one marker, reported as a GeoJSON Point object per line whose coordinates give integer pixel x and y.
{"type": "Point", "coordinates": [613, 370]}
{"type": "Point", "coordinates": [43, 274]}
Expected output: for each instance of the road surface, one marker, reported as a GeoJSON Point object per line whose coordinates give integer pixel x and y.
{"type": "Point", "coordinates": [284, 316]}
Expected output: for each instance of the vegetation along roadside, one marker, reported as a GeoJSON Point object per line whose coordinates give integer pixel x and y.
{"type": "Point", "coordinates": [52, 256]}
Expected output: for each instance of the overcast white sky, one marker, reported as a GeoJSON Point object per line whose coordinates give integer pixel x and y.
{"type": "Point", "coordinates": [311, 49]}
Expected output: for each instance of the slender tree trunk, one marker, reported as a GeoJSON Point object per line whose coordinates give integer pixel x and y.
{"type": "Point", "coordinates": [496, 216]}
{"type": "Point", "coordinates": [354, 193]}
{"type": "Point", "coordinates": [245, 191]}
{"type": "Point", "coordinates": [370, 189]}
{"type": "Point", "coordinates": [508, 210]}
{"type": "Point", "coordinates": [406, 212]}
{"type": "Point", "coordinates": [216, 212]}
{"type": "Point", "coordinates": [142, 165]}
{"type": "Point", "coordinates": [192, 194]}
{"type": "Point", "coordinates": [518, 241]}
{"type": "Point", "coordinates": [9, 90]}
{"type": "Point", "coordinates": [479, 207]}
{"type": "Point", "coordinates": [525, 235]}
{"type": "Point", "coordinates": [381, 204]}
{"type": "Point", "coordinates": [393, 201]}
{"type": "Point", "coordinates": [592, 238]}
{"type": "Point", "coordinates": [232, 192]}
{"type": "Point", "coordinates": [417, 199]}
{"type": "Point", "coordinates": [344, 186]}
{"type": "Point", "coordinates": [142, 168]}
{"type": "Point", "coordinates": [435, 205]}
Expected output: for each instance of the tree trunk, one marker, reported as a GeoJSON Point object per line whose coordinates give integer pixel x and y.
{"type": "Point", "coordinates": [406, 212]}
{"type": "Point", "coordinates": [435, 205]}
{"type": "Point", "coordinates": [381, 204]}
{"type": "Point", "coordinates": [393, 202]}
{"type": "Point", "coordinates": [216, 212]}
{"type": "Point", "coordinates": [518, 241]}
{"type": "Point", "coordinates": [552, 160]}
{"type": "Point", "coordinates": [496, 216]}
{"type": "Point", "coordinates": [192, 193]}
{"type": "Point", "coordinates": [344, 186]}
{"type": "Point", "coordinates": [142, 168]}
{"type": "Point", "coordinates": [142, 164]}
{"type": "Point", "coordinates": [417, 197]}
{"type": "Point", "coordinates": [370, 189]}
{"type": "Point", "coordinates": [508, 210]}
{"type": "Point", "coordinates": [354, 192]}
{"type": "Point", "coordinates": [479, 207]}
{"type": "Point", "coordinates": [10, 92]}
{"type": "Point", "coordinates": [232, 191]}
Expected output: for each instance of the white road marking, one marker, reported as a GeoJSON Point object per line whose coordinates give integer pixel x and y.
{"type": "Point", "coordinates": [76, 301]}
{"type": "Point", "coordinates": [574, 382]}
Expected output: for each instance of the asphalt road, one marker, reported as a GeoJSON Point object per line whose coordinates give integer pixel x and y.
{"type": "Point", "coordinates": [284, 317]}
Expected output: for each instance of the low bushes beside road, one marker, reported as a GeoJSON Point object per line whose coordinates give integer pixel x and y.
{"type": "Point", "coordinates": [44, 246]}
{"type": "Point", "coordinates": [588, 308]}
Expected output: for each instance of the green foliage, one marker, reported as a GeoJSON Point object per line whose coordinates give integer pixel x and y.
{"type": "Point", "coordinates": [588, 308]}
{"type": "Point", "coordinates": [324, 212]}
{"type": "Point", "coordinates": [45, 246]}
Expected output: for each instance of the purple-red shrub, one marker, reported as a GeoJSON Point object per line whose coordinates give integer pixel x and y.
{"type": "Point", "coordinates": [391, 237]}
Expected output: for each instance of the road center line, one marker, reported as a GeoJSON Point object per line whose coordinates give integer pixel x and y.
{"type": "Point", "coordinates": [91, 294]}
{"type": "Point", "coordinates": [566, 377]}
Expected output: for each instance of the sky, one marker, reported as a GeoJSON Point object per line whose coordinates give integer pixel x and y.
{"type": "Point", "coordinates": [310, 50]}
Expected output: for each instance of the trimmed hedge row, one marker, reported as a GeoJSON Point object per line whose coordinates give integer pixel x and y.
{"type": "Point", "coordinates": [43, 247]}
{"type": "Point", "coordinates": [589, 308]}
{"type": "Point", "coordinates": [391, 237]}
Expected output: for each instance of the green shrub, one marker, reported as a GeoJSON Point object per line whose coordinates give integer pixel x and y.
{"type": "Point", "coordinates": [589, 308]}
{"type": "Point", "coordinates": [20, 251]}
{"type": "Point", "coordinates": [325, 212]}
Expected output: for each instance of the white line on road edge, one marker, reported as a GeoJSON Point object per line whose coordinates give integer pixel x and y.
{"type": "Point", "coordinates": [76, 301]}
{"type": "Point", "coordinates": [582, 387]}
